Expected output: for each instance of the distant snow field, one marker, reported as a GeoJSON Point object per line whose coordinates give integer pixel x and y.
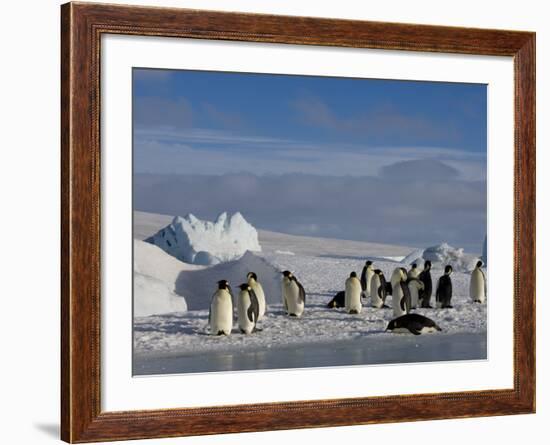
{"type": "Point", "coordinates": [321, 265]}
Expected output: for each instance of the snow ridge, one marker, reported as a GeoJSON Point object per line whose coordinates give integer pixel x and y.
{"type": "Point", "coordinates": [441, 255]}
{"type": "Point", "coordinates": [197, 241]}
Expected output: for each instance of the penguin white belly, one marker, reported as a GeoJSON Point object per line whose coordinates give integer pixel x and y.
{"type": "Point", "coordinates": [413, 289]}
{"type": "Point", "coordinates": [221, 313]}
{"type": "Point", "coordinates": [477, 286]}
{"type": "Point", "coordinates": [243, 304]}
{"type": "Point", "coordinates": [428, 330]}
{"type": "Point", "coordinates": [353, 295]}
{"type": "Point", "coordinates": [259, 291]}
{"type": "Point", "coordinates": [369, 275]}
{"type": "Point", "coordinates": [291, 298]}
{"type": "Point", "coordinates": [413, 273]}
{"type": "Point", "coordinates": [375, 300]}
{"type": "Point", "coordinates": [400, 331]}
{"type": "Point", "coordinates": [397, 295]}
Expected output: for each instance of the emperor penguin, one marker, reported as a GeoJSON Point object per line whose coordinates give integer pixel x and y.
{"type": "Point", "coordinates": [366, 276]}
{"type": "Point", "coordinates": [401, 297]}
{"type": "Point", "coordinates": [294, 295]}
{"type": "Point", "coordinates": [220, 317]}
{"type": "Point", "coordinates": [444, 291]}
{"type": "Point", "coordinates": [248, 309]}
{"type": "Point", "coordinates": [478, 284]}
{"type": "Point", "coordinates": [414, 272]}
{"type": "Point", "coordinates": [415, 288]}
{"type": "Point", "coordinates": [259, 291]}
{"type": "Point", "coordinates": [353, 294]}
{"type": "Point", "coordinates": [339, 300]}
{"type": "Point", "coordinates": [414, 323]}
{"type": "Point", "coordinates": [426, 278]}
{"type": "Point", "coordinates": [378, 289]}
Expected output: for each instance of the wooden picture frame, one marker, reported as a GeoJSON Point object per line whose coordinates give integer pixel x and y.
{"type": "Point", "coordinates": [82, 26]}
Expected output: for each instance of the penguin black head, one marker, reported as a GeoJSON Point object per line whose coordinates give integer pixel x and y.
{"type": "Point", "coordinates": [414, 265]}
{"type": "Point", "coordinates": [448, 269]}
{"type": "Point", "coordinates": [368, 263]}
{"type": "Point", "coordinates": [287, 273]}
{"type": "Point", "coordinates": [353, 275]}
{"type": "Point", "coordinates": [223, 284]}
{"type": "Point", "coordinates": [391, 325]}
{"type": "Point", "coordinates": [252, 275]}
{"type": "Point", "coordinates": [377, 271]}
{"type": "Point", "coordinates": [427, 264]}
{"type": "Point", "coordinates": [479, 264]}
{"type": "Point", "coordinates": [244, 286]}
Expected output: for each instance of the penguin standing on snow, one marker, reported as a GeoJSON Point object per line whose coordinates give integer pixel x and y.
{"type": "Point", "coordinates": [478, 284]}
{"type": "Point", "coordinates": [220, 317]}
{"type": "Point", "coordinates": [415, 288]}
{"type": "Point", "coordinates": [294, 295]}
{"type": "Point", "coordinates": [414, 272]}
{"type": "Point", "coordinates": [378, 289]}
{"type": "Point", "coordinates": [248, 309]}
{"type": "Point", "coordinates": [426, 278]}
{"type": "Point", "coordinates": [414, 323]}
{"type": "Point", "coordinates": [444, 291]}
{"type": "Point", "coordinates": [353, 294]}
{"type": "Point", "coordinates": [401, 297]}
{"type": "Point", "coordinates": [366, 276]}
{"type": "Point", "coordinates": [259, 291]}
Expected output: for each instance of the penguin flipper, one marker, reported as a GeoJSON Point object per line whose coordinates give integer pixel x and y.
{"type": "Point", "coordinates": [302, 292]}
{"type": "Point", "coordinates": [415, 328]}
{"type": "Point", "coordinates": [254, 309]}
{"type": "Point", "coordinates": [364, 278]}
{"type": "Point", "coordinates": [402, 303]}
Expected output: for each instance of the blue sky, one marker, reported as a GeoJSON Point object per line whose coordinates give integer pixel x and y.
{"type": "Point", "coordinates": [261, 125]}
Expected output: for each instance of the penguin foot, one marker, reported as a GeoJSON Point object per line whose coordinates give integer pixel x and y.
{"type": "Point", "coordinates": [353, 311]}
{"type": "Point", "coordinates": [292, 315]}
{"type": "Point", "coordinates": [221, 333]}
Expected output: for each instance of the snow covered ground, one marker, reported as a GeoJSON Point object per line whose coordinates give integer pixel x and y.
{"type": "Point", "coordinates": [168, 342]}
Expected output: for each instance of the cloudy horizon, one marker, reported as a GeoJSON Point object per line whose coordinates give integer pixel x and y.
{"type": "Point", "coordinates": [390, 161]}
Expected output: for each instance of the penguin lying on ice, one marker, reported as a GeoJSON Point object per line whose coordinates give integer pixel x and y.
{"type": "Point", "coordinates": [414, 323]}
{"type": "Point", "coordinates": [339, 300]}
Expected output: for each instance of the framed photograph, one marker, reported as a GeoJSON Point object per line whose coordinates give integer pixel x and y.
{"type": "Point", "coordinates": [274, 222]}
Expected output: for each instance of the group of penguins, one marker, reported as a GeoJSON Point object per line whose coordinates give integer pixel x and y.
{"type": "Point", "coordinates": [409, 290]}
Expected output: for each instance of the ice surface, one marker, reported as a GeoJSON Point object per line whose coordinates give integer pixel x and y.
{"type": "Point", "coordinates": [322, 266]}
{"type": "Point", "coordinates": [155, 275]}
{"type": "Point", "coordinates": [198, 286]}
{"type": "Point", "coordinates": [152, 297]}
{"type": "Point", "coordinates": [414, 257]}
{"type": "Point", "coordinates": [441, 255]}
{"type": "Point", "coordinates": [193, 240]}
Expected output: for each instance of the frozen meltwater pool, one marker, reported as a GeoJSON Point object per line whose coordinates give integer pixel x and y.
{"type": "Point", "coordinates": [375, 350]}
